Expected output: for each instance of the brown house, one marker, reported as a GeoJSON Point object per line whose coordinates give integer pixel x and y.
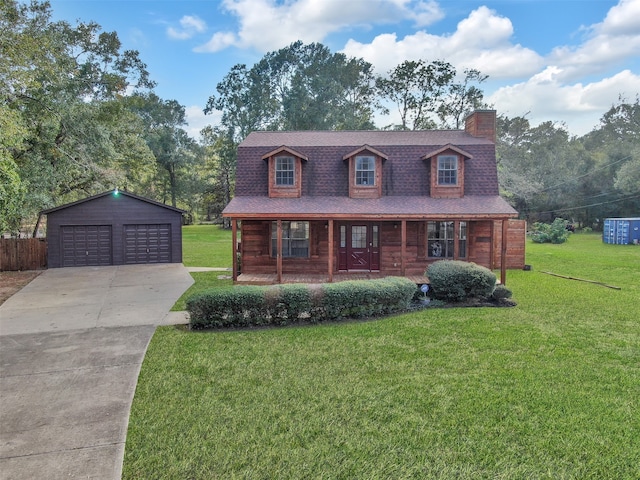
{"type": "Point", "coordinates": [327, 204]}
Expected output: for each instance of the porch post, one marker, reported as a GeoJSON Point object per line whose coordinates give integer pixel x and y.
{"type": "Point", "coordinates": [503, 255]}
{"type": "Point", "coordinates": [330, 243]}
{"type": "Point", "coordinates": [403, 246]}
{"type": "Point", "coordinates": [234, 239]}
{"type": "Point", "coordinates": [279, 252]}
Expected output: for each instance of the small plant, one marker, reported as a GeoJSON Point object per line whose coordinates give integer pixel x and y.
{"type": "Point", "coordinates": [501, 292]}
{"type": "Point", "coordinates": [550, 233]}
{"type": "Point", "coordinates": [456, 281]}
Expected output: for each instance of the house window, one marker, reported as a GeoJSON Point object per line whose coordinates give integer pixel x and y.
{"type": "Point", "coordinates": [447, 170]}
{"type": "Point", "coordinates": [462, 240]}
{"type": "Point", "coordinates": [365, 170]}
{"type": "Point", "coordinates": [441, 238]}
{"type": "Point", "coordinates": [284, 171]}
{"type": "Point", "coordinates": [295, 239]}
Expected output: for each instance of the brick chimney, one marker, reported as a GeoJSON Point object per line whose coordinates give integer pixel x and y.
{"type": "Point", "coordinates": [481, 123]}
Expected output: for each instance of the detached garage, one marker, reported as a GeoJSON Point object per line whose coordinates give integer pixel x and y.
{"type": "Point", "coordinates": [113, 228]}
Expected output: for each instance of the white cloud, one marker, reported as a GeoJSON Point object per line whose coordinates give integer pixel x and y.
{"type": "Point", "coordinates": [579, 105]}
{"type": "Point", "coordinates": [269, 25]}
{"type": "Point", "coordinates": [550, 88]}
{"type": "Point", "coordinates": [190, 25]}
{"type": "Point", "coordinates": [609, 43]}
{"type": "Point", "coordinates": [219, 41]}
{"type": "Point", "coordinates": [481, 41]}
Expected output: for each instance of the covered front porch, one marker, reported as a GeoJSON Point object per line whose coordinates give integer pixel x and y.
{"type": "Point", "coordinates": [322, 250]}
{"type": "Point", "coordinates": [314, 278]}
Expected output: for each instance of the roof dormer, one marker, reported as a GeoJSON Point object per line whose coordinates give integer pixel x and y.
{"type": "Point", "coordinates": [447, 171]}
{"type": "Point", "coordinates": [365, 172]}
{"type": "Point", "coordinates": [285, 172]}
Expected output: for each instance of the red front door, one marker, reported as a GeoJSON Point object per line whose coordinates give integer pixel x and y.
{"type": "Point", "coordinates": [359, 246]}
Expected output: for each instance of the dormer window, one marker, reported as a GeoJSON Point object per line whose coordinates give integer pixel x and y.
{"type": "Point", "coordinates": [365, 170]}
{"type": "Point", "coordinates": [285, 172]}
{"type": "Point", "coordinates": [285, 169]}
{"type": "Point", "coordinates": [447, 170]}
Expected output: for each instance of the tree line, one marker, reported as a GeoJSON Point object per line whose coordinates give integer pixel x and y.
{"type": "Point", "coordinates": [78, 116]}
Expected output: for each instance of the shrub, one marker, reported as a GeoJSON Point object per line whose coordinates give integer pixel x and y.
{"type": "Point", "coordinates": [555, 233]}
{"type": "Point", "coordinates": [501, 292]}
{"type": "Point", "coordinates": [454, 280]}
{"type": "Point", "coordinates": [286, 304]}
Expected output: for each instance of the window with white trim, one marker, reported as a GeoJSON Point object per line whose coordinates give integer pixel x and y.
{"type": "Point", "coordinates": [295, 239]}
{"type": "Point", "coordinates": [365, 170]}
{"type": "Point", "coordinates": [285, 169]}
{"type": "Point", "coordinates": [447, 170]}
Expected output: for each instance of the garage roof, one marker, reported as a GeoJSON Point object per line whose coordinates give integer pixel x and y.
{"type": "Point", "coordinates": [112, 192]}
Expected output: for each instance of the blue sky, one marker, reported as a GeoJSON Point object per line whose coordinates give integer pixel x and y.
{"type": "Point", "coordinates": [560, 60]}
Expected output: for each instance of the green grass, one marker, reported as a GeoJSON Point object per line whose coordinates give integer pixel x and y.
{"type": "Point", "coordinates": [206, 246]}
{"type": "Point", "coordinates": [549, 389]}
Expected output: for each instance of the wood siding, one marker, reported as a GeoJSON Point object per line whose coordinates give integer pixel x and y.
{"type": "Point", "coordinates": [365, 191]}
{"type": "Point", "coordinates": [22, 254]}
{"type": "Point", "coordinates": [483, 248]}
{"type": "Point", "coordinates": [447, 191]}
{"type": "Point", "coordinates": [516, 240]}
{"type": "Point", "coordinates": [285, 191]}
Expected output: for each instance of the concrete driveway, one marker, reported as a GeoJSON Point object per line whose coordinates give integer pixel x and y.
{"type": "Point", "coordinates": [71, 346]}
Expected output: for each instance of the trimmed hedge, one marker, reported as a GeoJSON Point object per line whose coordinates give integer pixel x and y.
{"type": "Point", "coordinates": [294, 303]}
{"type": "Point", "coordinates": [456, 281]}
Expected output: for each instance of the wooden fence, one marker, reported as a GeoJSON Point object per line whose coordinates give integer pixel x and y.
{"type": "Point", "coordinates": [22, 254]}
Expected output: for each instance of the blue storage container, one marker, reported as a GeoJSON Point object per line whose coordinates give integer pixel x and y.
{"type": "Point", "coordinates": [621, 231]}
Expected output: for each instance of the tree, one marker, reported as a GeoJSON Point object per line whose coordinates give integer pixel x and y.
{"type": "Point", "coordinates": [221, 158]}
{"type": "Point", "coordinates": [425, 92]}
{"type": "Point", "coordinates": [12, 189]}
{"type": "Point", "coordinates": [54, 80]}
{"type": "Point", "coordinates": [298, 87]}
{"type": "Point", "coordinates": [616, 146]}
{"type": "Point", "coordinates": [418, 90]}
{"type": "Point", "coordinates": [174, 150]}
{"type": "Point", "coordinates": [462, 99]}
{"type": "Point", "coordinates": [540, 168]}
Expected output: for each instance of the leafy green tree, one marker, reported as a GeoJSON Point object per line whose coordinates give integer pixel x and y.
{"type": "Point", "coordinates": [462, 99]}
{"type": "Point", "coordinates": [12, 189]}
{"type": "Point", "coordinates": [220, 161]}
{"type": "Point", "coordinates": [174, 150]}
{"type": "Point", "coordinates": [426, 92]}
{"type": "Point", "coordinates": [541, 168]}
{"type": "Point", "coordinates": [299, 87]}
{"type": "Point", "coordinates": [55, 79]}
{"type": "Point", "coordinates": [616, 147]}
{"type": "Point", "coordinates": [418, 90]}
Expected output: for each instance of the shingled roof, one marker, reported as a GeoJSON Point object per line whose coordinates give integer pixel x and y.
{"type": "Point", "coordinates": [405, 175]}
{"type": "Point", "coordinates": [396, 207]}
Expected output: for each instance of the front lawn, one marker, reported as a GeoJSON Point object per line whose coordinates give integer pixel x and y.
{"type": "Point", "coordinates": [206, 246]}
{"type": "Point", "coordinates": [547, 389]}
